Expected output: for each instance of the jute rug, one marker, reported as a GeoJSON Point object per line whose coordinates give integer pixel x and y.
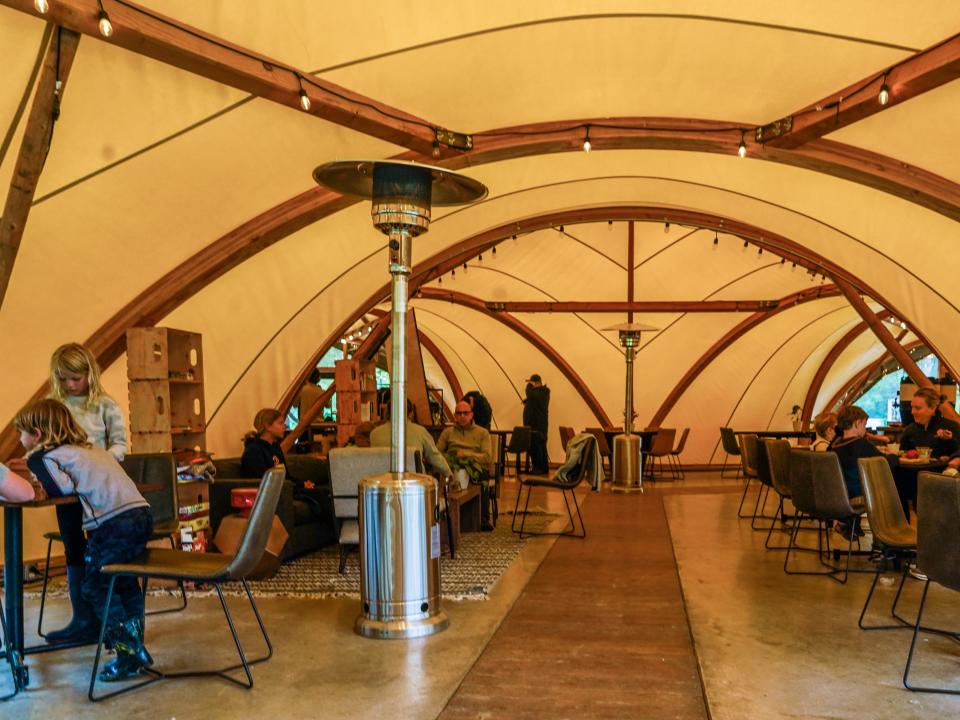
{"type": "Point", "coordinates": [481, 560]}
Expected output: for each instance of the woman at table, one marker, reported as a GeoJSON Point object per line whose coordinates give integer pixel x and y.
{"type": "Point", "coordinates": [929, 427]}
{"type": "Point", "coordinates": [825, 425]}
{"type": "Point", "coordinates": [850, 445]}
{"type": "Point", "coordinates": [14, 488]}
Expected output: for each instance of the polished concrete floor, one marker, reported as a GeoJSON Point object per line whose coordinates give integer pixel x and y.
{"type": "Point", "coordinates": [768, 645]}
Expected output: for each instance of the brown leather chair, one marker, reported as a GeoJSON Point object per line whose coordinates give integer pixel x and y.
{"type": "Point", "coordinates": [748, 468]}
{"type": "Point", "coordinates": [566, 435]}
{"type": "Point", "coordinates": [893, 536]}
{"type": "Point", "coordinates": [778, 467]}
{"type": "Point", "coordinates": [938, 554]}
{"type": "Point", "coordinates": [731, 448]}
{"type": "Point", "coordinates": [675, 454]}
{"type": "Point", "coordinates": [606, 456]}
{"type": "Point", "coordinates": [211, 568]}
{"type": "Point", "coordinates": [660, 448]}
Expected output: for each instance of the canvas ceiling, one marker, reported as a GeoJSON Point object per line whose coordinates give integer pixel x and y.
{"type": "Point", "coordinates": [150, 164]}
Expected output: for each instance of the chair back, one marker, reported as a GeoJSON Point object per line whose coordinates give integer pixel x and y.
{"type": "Point", "coordinates": [762, 465]}
{"type": "Point", "coordinates": [729, 441]}
{"type": "Point", "coordinates": [253, 541]}
{"type": "Point", "coordinates": [350, 465]}
{"type": "Point", "coordinates": [800, 477]}
{"type": "Point", "coordinates": [748, 454]}
{"type": "Point", "coordinates": [566, 435]}
{"type": "Point", "coordinates": [663, 441]}
{"type": "Point", "coordinates": [887, 519]}
{"type": "Point", "coordinates": [683, 442]}
{"type": "Point", "coordinates": [519, 440]}
{"type": "Point", "coordinates": [778, 461]}
{"type": "Point", "coordinates": [570, 476]}
{"type": "Point", "coordinates": [601, 437]}
{"type": "Point", "coordinates": [158, 470]}
{"type": "Point", "coordinates": [829, 490]}
{"type": "Point", "coordinates": [938, 518]}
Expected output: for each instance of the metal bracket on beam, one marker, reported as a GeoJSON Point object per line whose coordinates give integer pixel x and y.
{"type": "Point", "coordinates": [496, 306]}
{"type": "Point", "coordinates": [768, 132]}
{"type": "Point", "coordinates": [453, 140]}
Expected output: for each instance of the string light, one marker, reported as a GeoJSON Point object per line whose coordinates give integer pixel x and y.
{"type": "Point", "coordinates": [742, 150]}
{"type": "Point", "coordinates": [480, 257]}
{"type": "Point", "coordinates": [440, 280]}
{"type": "Point", "coordinates": [304, 99]}
{"type": "Point", "coordinates": [759, 251]}
{"type": "Point", "coordinates": [716, 238]}
{"type": "Point", "coordinates": [586, 142]}
{"type": "Point", "coordinates": [106, 27]}
{"type": "Point", "coordinates": [884, 95]}
{"type": "Point", "coordinates": [666, 228]}
{"type": "Point", "coordinates": [464, 267]}
{"type": "Point", "coordinates": [493, 251]}
{"type": "Point", "coordinates": [745, 243]}
{"type": "Point", "coordinates": [436, 148]}
{"type": "Point", "coordinates": [561, 229]}
{"type": "Point", "coordinates": [41, 6]}
{"type": "Point", "coordinates": [783, 261]}
{"type": "Point", "coordinates": [453, 274]}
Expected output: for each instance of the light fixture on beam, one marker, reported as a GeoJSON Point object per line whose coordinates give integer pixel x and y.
{"type": "Point", "coordinates": [883, 97]}
{"type": "Point", "coordinates": [106, 27]}
{"type": "Point", "coordinates": [304, 98]}
{"type": "Point", "coordinates": [41, 6]}
{"type": "Point", "coordinates": [586, 142]}
{"type": "Point", "coordinates": [742, 148]}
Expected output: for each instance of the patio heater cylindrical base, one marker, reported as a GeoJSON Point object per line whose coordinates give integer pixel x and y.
{"type": "Point", "coordinates": [627, 474]}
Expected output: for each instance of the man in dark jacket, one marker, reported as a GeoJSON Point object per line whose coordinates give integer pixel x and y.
{"type": "Point", "coordinates": [535, 415]}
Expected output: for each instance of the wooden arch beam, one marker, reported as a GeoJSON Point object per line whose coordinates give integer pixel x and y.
{"type": "Point", "coordinates": [821, 374]}
{"type": "Point", "coordinates": [34, 147]}
{"type": "Point", "coordinates": [926, 70]}
{"type": "Point", "coordinates": [855, 384]}
{"type": "Point", "coordinates": [531, 337]}
{"type": "Point", "coordinates": [148, 33]}
{"type": "Point", "coordinates": [731, 337]}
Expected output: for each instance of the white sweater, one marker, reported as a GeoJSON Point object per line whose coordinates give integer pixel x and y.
{"type": "Point", "coordinates": [103, 423]}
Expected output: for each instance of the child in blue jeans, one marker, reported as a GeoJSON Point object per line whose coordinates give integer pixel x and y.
{"type": "Point", "coordinates": [115, 516]}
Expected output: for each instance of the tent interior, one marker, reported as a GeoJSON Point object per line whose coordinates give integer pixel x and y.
{"type": "Point", "coordinates": [178, 192]}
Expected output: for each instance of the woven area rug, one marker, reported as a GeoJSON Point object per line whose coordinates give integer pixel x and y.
{"type": "Point", "coordinates": [481, 559]}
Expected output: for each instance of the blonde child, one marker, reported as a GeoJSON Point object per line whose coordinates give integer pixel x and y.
{"type": "Point", "coordinates": [75, 382]}
{"type": "Point", "coordinates": [115, 515]}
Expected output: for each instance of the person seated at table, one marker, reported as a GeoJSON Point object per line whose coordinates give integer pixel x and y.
{"type": "Point", "coordinates": [14, 488]}
{"type": "Point", "coordinates": [361, 436]}
{"type": "Point", "coordinates": [929, 427]}
{"type": "Point", "coordinates": [115, 515]}
{"type": "Point", "coordinates": [825, 425]}
{"type": "Point", "coordinates": [417, 437]}
{"type": "Point", "coordinates": [262, 451]}
{"type": "Point", "coordinates": [482, 412]}
{"type": "Point", "coordinates": [851, 445]}
{"type": "Point", "coordinates": [467, 439]}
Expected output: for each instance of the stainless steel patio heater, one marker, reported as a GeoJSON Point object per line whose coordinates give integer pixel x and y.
{"type": "Point", "coordinates": [399, 516]}
{"type": "Point", "coordinates": [627, 466]}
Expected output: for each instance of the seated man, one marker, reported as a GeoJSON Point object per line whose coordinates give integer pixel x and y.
{"type": "Point", "coordinates": [465, 439]}
{"type": "Point", "coordinates": [417, 437]}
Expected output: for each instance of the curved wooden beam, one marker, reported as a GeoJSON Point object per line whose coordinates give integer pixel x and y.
{"type": "Point", "coordinates": [859, 378]}
{"type": "Point", "coordinates": [821, 374]}
{"type": "Point", "coordinates": [530, 336]}
{"type": "Point", "coordinates": [729, 338]}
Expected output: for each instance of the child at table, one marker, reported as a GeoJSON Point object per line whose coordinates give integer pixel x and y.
{"type": "Point", "coordinates": [14, 488]}
{"type": "Point", "coordinates": [75, 381]}
{"type": "Point", "coordinates": [115, 515]}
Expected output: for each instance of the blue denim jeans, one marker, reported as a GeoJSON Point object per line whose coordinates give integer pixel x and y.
{"type": "Point", "coordinates": [118, 540]}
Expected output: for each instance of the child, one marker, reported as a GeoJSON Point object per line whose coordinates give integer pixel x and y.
{"type": "Point", "coordinates": [825, 425]}
{"type": "Point", "coordinates": [75, 381]}
{"type": "Point", "coordinates": [114, 513]}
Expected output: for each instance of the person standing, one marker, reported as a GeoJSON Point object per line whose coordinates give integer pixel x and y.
{"type": "Point", "coordinates": [536, 410]}
{"type": "Point", "coordinates": [467, 439]}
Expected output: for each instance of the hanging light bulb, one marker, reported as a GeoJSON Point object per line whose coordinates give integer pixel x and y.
{"type": "Point", "coordinates": [304, 100]}
{"type": "Point", "coordinates": [41, 6]}
{"type": "Point", "coordinates": [742, 150]}
{"type": "Point", "coordinates": [453, 274]}
{"type": "Point", "coordinates": [716, 239]}
{"type": "Point", "coordinates": [666, 228]}
{"type": "Point", "coordinates": [480, 258]}
{"type": "Point", "coordinates": [745, 243]}
{"type": "Point", "coordinates": [783, 261]}
{"type": "Point", "coordinates": [440, 280]}
{"type": "Point", "coordinates": [493, 251]}
{"type": "Point", "coordinates": [561, 228]}
{"type": "Point", "coordinates": [464, 267]}
{"type": "Point", "coordinates": [759, 251]}
{"type": "Point", "coordinates": [883, 97]}
{"type": "Point", "coordinates": [586, 142]}
{"type": "Point", "coordinates": [106, 27]}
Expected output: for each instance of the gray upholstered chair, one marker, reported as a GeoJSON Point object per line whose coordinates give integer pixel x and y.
{"type": "Point", "coordinates": [938, 554]}
{"type": "Point", "coordinates": [893, 536]}
{"type": "Point", "coordinates": [819, 493]}
{"type": "Point", "coordinates": [348, 466]}
{"type": "Point", "coordinates": [212, 568]}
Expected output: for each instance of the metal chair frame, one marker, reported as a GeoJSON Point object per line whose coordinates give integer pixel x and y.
{"type": "Point", "coordinates": [728, 441]}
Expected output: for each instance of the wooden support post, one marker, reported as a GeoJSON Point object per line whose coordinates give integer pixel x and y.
{"type": "Point", "coordinates": [34, 148]}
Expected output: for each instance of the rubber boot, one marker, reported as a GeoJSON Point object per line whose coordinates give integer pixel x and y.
{"type": "Point", "coordinates": [132, 657]}
{"type": "Point", "coordinates": [84, 626]}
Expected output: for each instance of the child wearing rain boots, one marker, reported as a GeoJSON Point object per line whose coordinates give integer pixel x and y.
{"type": "Point", "coordinates": [115, 516]}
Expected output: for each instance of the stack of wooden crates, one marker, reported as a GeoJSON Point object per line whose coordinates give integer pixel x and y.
{"type": "Point", "coordinates": [165, 373]}
{"type": "Point", "coordinates": [356, 382]}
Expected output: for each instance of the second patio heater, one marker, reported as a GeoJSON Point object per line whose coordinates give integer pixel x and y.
{"type": "Point", "coordinates": [627, 463]}
{"type": "Point", "coordinates": [399, 515]}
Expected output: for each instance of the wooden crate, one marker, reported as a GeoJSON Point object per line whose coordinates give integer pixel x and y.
{"type": "Point", "coordinates": [157, 353]}
{"type": "Point", "coordinates": [166, 406]}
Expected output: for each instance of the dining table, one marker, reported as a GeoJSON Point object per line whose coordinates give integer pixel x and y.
{"type": "Point", "coordinates": [905, 476]}
{"type": "Point", "coordinates": [15, 649]}
{"type": "Point", "coordinates": [779, 434]}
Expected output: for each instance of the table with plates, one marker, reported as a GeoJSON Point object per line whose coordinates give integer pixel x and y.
{"type": "Point", "coordinates": [905, 475]}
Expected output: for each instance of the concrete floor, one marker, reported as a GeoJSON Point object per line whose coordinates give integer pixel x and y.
{"type": "Point", "coordinates": [770, 646]}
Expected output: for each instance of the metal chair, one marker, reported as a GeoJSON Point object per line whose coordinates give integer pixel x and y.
{"type": "Point", "coordinates": [213, 568]}
{"type": "Point", "coordinates": [606, 454]}
{"type": "Point", "coordinates": [519, 444]}
{"type": "Point", "coordinates": [893, 536]}
{"type": "Point", "coordinates": [820, 493]}
{"type": "Point", "coordinates": [674, 456]}
{"type": "Point", "coordinates": [566, 435]}
{"type": "Point", "coordinates": [748, 466]}
{"type": "Point", "coordinates": [579, 464]}
{"type": "Point", "coordinates": [155, 475]}
{"type": "Point", "coordinates": [938, 553]}
{"type": "Point", "coordinates": [778, 469]}
{"type": "Point", "coordinates": [660, 448]}
{"type": "Point", "coordinates": [731, 449]}
{"type": "Point", "coordinates": [757, 452]}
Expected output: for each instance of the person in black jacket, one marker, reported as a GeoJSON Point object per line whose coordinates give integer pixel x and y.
{"type": "Point", "coordinates": [482, 412]}
{"type": "Point", "coordinates": [536, 410]}
{"type": "Point", "coordinates": [929, 428]}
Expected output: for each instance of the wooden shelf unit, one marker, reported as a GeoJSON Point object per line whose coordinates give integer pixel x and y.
{"type": "Point", "coordinates": [356, 383]}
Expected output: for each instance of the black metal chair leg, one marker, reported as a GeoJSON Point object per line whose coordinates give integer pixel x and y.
{"type": "Point", "coordinates": [913, 647]}
{"type": "Point", "coordinates": [43, 590]}
{"type": "Point", "coordinates": [180, 585]}
{"type": "Point", "coordinates": [743, 497]}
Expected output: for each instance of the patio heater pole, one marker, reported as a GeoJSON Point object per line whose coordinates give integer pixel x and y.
{"type": "Point", "coordinates": [398, 511]}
